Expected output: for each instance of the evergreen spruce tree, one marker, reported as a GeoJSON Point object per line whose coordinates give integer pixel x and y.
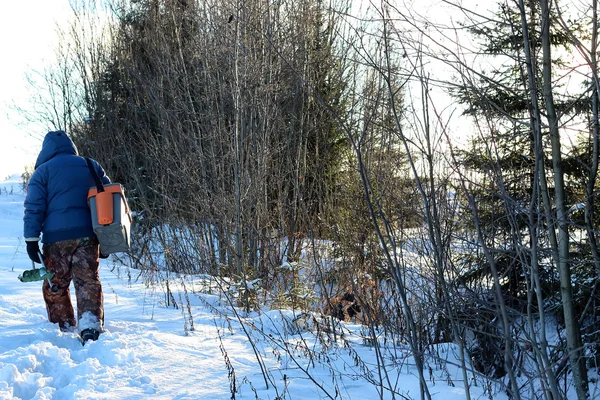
{"type": "Point", "coordinates": [518, 184]}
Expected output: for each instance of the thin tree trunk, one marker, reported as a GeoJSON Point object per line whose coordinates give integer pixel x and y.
{"type": "Point", "coordinates": [591, 183]}
{"type": "Point", "coordinates": [236, 149]}
{"type": "Point", "coordinates": [574, 342]}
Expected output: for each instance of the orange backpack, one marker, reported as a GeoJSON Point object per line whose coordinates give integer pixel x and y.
{"type": "Point", "coordinates": [111, 216]}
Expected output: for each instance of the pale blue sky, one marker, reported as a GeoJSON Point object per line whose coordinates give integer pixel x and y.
{"type": "Point", "coordinates": [27, 37]}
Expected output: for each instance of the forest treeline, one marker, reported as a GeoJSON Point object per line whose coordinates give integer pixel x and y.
{"type": "Point", "coordinates": [299, 149]}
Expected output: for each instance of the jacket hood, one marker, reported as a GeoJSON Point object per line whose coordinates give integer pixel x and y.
{"type": "Point", "coordinates": [55, 143]}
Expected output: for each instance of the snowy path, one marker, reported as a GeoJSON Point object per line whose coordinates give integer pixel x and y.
{"type": "Point", "coordinates": [144, 352]}
{"type": "Point", "coordinates": [139, 354]}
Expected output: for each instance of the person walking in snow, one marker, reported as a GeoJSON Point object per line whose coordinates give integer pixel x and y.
{"type": "Point", "coordinates": [56, 207]}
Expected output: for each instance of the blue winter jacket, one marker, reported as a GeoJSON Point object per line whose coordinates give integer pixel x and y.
{"type": "Point", "coordinates": [56, 203]}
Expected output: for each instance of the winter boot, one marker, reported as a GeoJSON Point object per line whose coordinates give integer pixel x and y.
{"type": "Point", "coordinates": [89, 334]}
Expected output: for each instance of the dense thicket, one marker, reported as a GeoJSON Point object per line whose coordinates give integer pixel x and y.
{"type": "Point", "coordinates": [210, 113]}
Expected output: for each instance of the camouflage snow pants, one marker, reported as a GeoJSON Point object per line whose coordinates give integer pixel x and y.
{"type": "Point", "coordinates": [76, 260]}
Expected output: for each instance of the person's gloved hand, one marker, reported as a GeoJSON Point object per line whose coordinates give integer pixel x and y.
{"type": "Point", "coordinates": [33, 249]}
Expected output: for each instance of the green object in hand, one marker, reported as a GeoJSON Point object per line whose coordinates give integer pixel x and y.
{"type": "Point", "coordinates": [36, 274]}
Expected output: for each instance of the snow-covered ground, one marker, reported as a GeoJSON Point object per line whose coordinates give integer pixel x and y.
{"type": "Point", "coordinates": [153, 351]}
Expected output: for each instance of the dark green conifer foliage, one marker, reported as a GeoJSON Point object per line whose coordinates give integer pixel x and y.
{"type": "Point", "coordinates": [502, 160]}
{"type": "Point", "coordinates": [502, 157]}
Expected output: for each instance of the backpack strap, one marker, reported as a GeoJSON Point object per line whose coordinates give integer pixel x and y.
{"type": "Point", "coordinates": [99, 185]}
